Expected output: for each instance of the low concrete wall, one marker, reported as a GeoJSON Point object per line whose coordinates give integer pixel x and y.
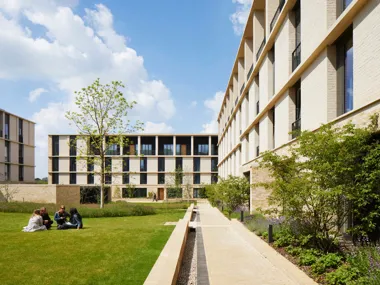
{"type": "Point", "coordinates": [167, 266]}
{"type": "Point", "coordinates": [42, 193]}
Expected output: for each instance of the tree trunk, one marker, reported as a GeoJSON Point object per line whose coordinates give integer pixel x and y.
{"type": "Point", "coordinates": [102, 172]}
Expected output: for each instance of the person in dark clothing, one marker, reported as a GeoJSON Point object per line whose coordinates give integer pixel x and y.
{"type": "Point", "coordinates": [75, 221]}
{"type": "Point", "coordinates": [61, 216]}
{"type": "Point", "coordinates": [45, 218]}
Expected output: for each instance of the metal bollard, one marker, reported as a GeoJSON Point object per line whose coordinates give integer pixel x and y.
{"type": "Point", "coordinates": [270, 233]}
{"type": "Point", "coordinates": [241, 216]}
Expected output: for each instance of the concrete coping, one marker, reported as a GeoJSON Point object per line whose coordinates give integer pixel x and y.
{"type": "Point", "coordinates": [167, 266]}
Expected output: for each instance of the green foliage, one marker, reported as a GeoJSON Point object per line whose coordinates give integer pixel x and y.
{"type": "Point", "coordinates": [308, 256]}
{"type": "Point", "coordinates": [101, 120]}
{"type": "Point", "coordinates": [342, 276]}
{"type": "Point", "coordinates": [330, 260]}
{"type": "Point", "coordinates": [174, 185]}
{"type": "Point", "coordinates": [366, 261]}
{"type": "Point", "coordinates": [294, 251]}
{"type": "Point", "coordinates": [324, 173]}
{"type": "Point", "coordinates": [285, 238]}
{"type": "Point", "coordinates": [265, 235]}
{"type": "Point", "coordinates": [214, 196]}
{"type": "Point", "coordinates": [174, 192]}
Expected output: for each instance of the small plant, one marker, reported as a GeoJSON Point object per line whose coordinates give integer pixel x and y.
{"type": "Point", "coordinates": [265, 235]}
{"type": "Point", "coordinates": [330, 260]}
{"type": "Point", "coordinates": [294, 251]}
{"type": "Point", "coordinates": [308, 256]}
{"type": "Point", "coordinates": [285, 239]}
{"type": "Point", "coordinates": [342, 276]}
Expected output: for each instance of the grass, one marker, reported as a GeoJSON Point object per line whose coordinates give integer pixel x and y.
{"type": "Point", "coordinates": [118, 250]}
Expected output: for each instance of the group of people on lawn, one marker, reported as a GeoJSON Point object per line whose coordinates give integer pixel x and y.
{"type": "Point", "coordinates": [40, 220]}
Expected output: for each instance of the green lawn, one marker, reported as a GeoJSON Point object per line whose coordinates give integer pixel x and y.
{"type": "Point", "coordinates": [108, 251]}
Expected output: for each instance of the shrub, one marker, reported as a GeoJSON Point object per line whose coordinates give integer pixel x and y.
{"type": "Point", "coordinates": [294, 251]}
{"type": "Point", "coordinates": [285, 238]}
{"type": "Point", "coordinates": [308, 256]}
{"type": "Point", "coordinates": [366, 261]}
{"type": "Point", "coordinates": [330, 260]}
{"type": "Point", "coordinates": [342, 276]}
{"type": "Point", "coordinates": [265, 235]}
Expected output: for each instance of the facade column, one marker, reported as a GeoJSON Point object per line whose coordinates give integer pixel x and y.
{"type": "Point", "coordinates": [138, 145]}
{"type": "Point", "coordinates": [209, 145]}
{"type": "Point", "coordinates": [156, 145]}
{"type": "Point", "coordinates": [174, 145]}
{"type": "Point", "coordinates": [192, 145]}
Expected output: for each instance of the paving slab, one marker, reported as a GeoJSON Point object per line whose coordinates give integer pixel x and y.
{"type": "Point", "coordinates": [236, 256]}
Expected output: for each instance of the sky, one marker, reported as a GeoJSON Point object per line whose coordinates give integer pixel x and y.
{"type": "Point", "coordinates": [173, 56]}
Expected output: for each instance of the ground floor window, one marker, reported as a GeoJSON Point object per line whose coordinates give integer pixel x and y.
{"type": "Point", "coordinates": [134, 192]}
{"type": "Point", "coordinates": [91, 195]}
{"type": "Point", "coordinates": [174, 193]}
{"type": "Point", "coordinates": [199, 193]}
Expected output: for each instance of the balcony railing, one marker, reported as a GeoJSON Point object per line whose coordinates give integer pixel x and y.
{"type": "Point", "coordinates": [260, 49]}
{"type": "Point", "coordinates": [296, 128]}
{"type": "Point", "coordinates": [242, 88]}
{"type": "Point", "coordinates": [250, 72]}
{"type": "Point", "coordinates": [278, 11]}
{"type": "Point", "coordinates": [296, 57]}
{"type": "Point", "coordinates": [257, 150]}
{"type": "Point", "coordinates": [257, 107]}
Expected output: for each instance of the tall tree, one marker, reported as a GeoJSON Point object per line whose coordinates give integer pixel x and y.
{"type": "Point", "coordinates": [101, 120]}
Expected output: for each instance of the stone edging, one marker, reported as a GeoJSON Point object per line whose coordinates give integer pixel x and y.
{"type": "Point", "coordinates": [167, 266]}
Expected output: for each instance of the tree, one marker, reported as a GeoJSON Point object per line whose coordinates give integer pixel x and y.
{"type": "Point", "coordinates": [174, 183]}
{"type": "Point", "coordinates": [187, 186]}
{"type": "Point", "coordinates": [101, 120]}
{"type": "Point", "coordinates": [7, 191]}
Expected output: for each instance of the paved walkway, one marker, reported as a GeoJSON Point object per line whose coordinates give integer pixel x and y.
{"type": "Point", "coordinates": [236, 256]}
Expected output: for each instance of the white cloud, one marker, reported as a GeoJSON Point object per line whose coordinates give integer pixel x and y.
{"type": "Point", "coordinates": [239, 18]}
{"type": "Point", "coordinates": [158, 128]}
{"type": "Point", "coordinates": [213, 105]}
{"type": "Point", "coordinates": [193, 104]}
{"type": "Point", "coordinates": [35, 94]}
{"type": "Point", "coordinates": [71, 54]}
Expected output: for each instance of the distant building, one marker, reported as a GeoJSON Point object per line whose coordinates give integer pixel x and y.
{"type": "Point", "coordinates": [147, 163]}
{"type": "Point", "coordinates": [300, 64]}
{"type": "Point", "coordinates": [16, 148]}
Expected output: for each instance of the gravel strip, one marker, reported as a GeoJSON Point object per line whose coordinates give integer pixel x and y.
{"type": "Point", "coordinates": [188, 272]}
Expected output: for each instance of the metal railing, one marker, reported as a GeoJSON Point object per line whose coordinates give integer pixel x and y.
{"type": "Point", "coordinates": [278, 11]}
{"type": "Point", "coordinates": [257, 107]}
{"type": "Point", "coordinates": [260, 49]}
{"type": "Point", "coordinates": [296, 57]}
{"type": "Point", "coordinates": [250, 72]}
{"type": "Point", "coordinates": [242, 88]}
{"type": "Point", "coordinates": [296, 128]}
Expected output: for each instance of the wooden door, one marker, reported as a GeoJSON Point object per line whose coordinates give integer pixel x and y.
{"type": "Point", "coordinates": [160, 194]}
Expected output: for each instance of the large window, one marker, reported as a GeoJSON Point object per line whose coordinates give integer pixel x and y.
{"type": "Point", "coordinates": [178, 163]}
{"type": "Point", "coordinates": [73, 146]}
{"type": "Point", "coordinates": [197, 164]}
{"type": "Point", "coordinates": [108, 178]}
{"type": "Point", "coordinates": [125, 178]}
{"type": "Point", "coordinates": [125, 164]}
{"type": "Point", "coordinates": [7, 152]}
{"type": "Point", "coordinates": [6, 129]}
{"type": "Point", "coordinates": [21, 173]}
{"type": "Point", "coordinates": [108, 164]}
{"type": "Point", "coordinates": [137, 193]}
{"type": "Point", "coordinates": [55, 164]}
{"type": "Point", "coordinates": [214, 164]}
{"type": "Point", "coordinates": [20, 130]}
{"type": "Point", "coordinates": [143, 164]}
{"type": "Point", "coordinates": [161, 178]}
{"type": "Point", "coordinates": [197, 178]}
{"type": "Point", "coordinates": [202, 149]}
{"type": "Point", "coordinates": [90, 165]}
{"type": "Point", "coordinates": [21, 153]}
{"type": "Point", "coordinates": [55, 178]}
{"type": "Point", "coordinates": [214, 178]}
{"type": "Point", "coordinates": [90, 178]}
{"type": "Point", "coordinates": [73, 178]}
{"type": "Point", "coordinates": [73, 164]}
{"type": "Point", "coordinates": [143, 178]}
{"type": "Point", "coordinates": [161, 164]}
{"type": "Point", "coordinates": [55, 148]}
{"type": "Point", "coordinates": [168, 149]}
{"type": "Point", "coordinates": [147, 149]}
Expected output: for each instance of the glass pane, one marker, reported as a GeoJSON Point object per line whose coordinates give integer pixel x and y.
{"type": "Point", "coordinates": [348, 78]}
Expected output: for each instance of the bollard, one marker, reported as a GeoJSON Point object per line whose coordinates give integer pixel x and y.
{"type": "Point", "coordinates": [241, 216]}
{"type": "Point", "coordinates": [270, 233]}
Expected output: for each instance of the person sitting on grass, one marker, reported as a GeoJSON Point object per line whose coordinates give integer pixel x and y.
{"type": "Point", "coordinates": [61, 216]}
{"type": "Point", "coordinates": [75, 221]}
{"type": "Point", "coordinates": [45, 218]}
{"type": "Point", "coordinates": [35, 223]}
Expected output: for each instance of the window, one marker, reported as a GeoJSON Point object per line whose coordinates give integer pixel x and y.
{"type": "Point", "coordinates": [143, 164]}
{"type": "Point", "coordinates": [108, 164]}
{"type": "Point", "coordinates": [90, 165]}
{"type": "Point", "coordinates": [168, 149]}
{"type": "Point", "coordinates": [197, 178]}
{"type": "Point", "coordinates": [161, 164]}
{"type": "Point", "coordinates": [73, 178]}
{"type": "Point", "coordinates": [7, 172]}
{"type": "Point", "coordinates": [125, 178]}
{"type": "Point", "coordinates": [73, 146]}
{"type": "Point", "coordinates": [214, 164]}
{"type": "Point", "coordinates": [214, 178]}
{"type": "Point", "coordinates": [147, 149]}
{"type": "Point", "coordinates": [345, 72]}
{"type": "Point", "coordinates": [143, 178]}
{"type": "Point", "coordinates": [6, 130]}
{"type": "Point", "coordinates": [7, 152]}
{"type": "Point", "coordinates": [55, 141]}
{"type": "Point", "coordinates": [296, 55]}
{"type": "Point", "coordinates": [21, 173]}
{"type": "Point", "coordinates": [90, 178]}
{"type": "Point", "coordinates": [296, 125]}
{"type": "Point", "coordinates": [113, 149]}
{"type": "Point", "coordinates": [55, 178]}
{"type": "Point", "coordinates": [196, 193]}
{"type": "Point", "coordinates": [125, 164]}
{"type": "Point", "coordinates": [73, 164]}
{"type": "Point", "coordinates": [203, 149]}
{"type": "Point", "coordinates": [107, 178]}
{"type": "Point", "coordinates": [178, 163]}
{"type": "Point", "coordinates": [20, 130]}
{"type": "Point", "coordinates": [137, 193]}
{"type": "Point", "coordinates": [1, 124]}
{"type": "Point", "coordinates": [55, 164]}
{"type": "Point", "coordinates": [197, 164]}
{"type": "Point", "coordinates": [21, 153]}
{"type": "Point", "coordinates": [161, 178]}
{"type": "Point", "coordinates": [271, 56]}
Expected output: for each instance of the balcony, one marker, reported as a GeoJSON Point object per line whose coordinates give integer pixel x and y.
{"type": "Point", "coordinates": [278, 11]}
{"type": "Point", "coordinates": [296, 128]}
{"type": "Point", "coordinates": [242, 88]}
{"type": "Point", "coordinates": [260, 49]}
{"type": "Point", "coordinates": [296, 57]}
{"type": "Point", "coordinates": [250, 72]}
{"type": "Point", "coordinates": [257, 107]}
